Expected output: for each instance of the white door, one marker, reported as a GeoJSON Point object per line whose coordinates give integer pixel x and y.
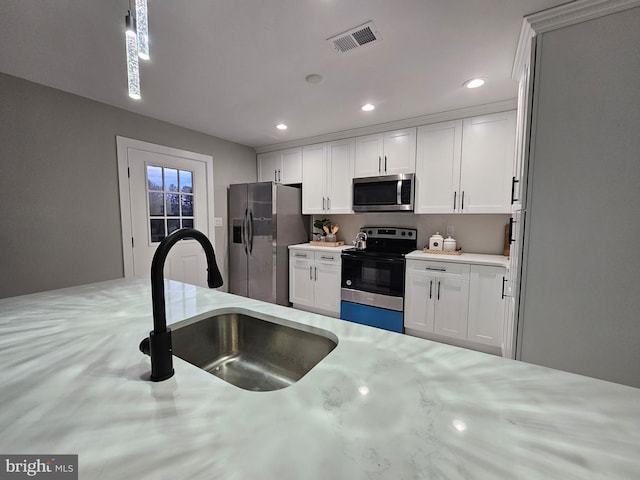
{"type": "Point", "coordinates": [269, 165]}
{"type": "Point", "coordinates": [291, 170]}
{"type": "Point", "coordinates": [327, 281]}
{"type": "Point", "coordinates": [452, 301]}
{"type": "Point", "coordinates": [419, 299]}
{"type": "Point", "coordinates": [301, 280]}
{"type": "Point", "coordinates": [167, 191]}
{"type": "Point", "coordinates": [486, 305]}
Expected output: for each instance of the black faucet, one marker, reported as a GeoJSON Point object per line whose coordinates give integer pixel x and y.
{"type": "Point", "coordinates": [158, 344]}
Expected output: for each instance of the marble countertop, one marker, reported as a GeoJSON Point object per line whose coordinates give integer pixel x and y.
{"type": "Point", "coordinates": [472, 258]}
{"type": "Point", "coordinates": [380, 406]}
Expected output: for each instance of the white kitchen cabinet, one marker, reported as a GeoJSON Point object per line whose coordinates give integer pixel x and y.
{"type": "Point", "coordinates": [388, 153]}
{"type": "Point", "coordinates": [314, 281]}
{"type": "Point", "coordinates": [436, 297]}
{"type": "Point", "coordinates": [488, 148]}
{"type": "Point", "coordinates": [284, 166]}
{"type": "Point", "coordinates": [327, 173]}
{"type": "Point", "coordinates": [458, 303]}
{"type": "Point", "coordinates": [465, 166]}
{"type": "Point", "coordinates": [486, 305]}
{"type": "Point", "coordinates": [439, 148]}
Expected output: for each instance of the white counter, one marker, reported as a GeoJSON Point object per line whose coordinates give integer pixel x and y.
{"type": "Point", "coordinates": [380, 406]}
{"type": "Point", "coordinates": [471, 258]}
{"type": "Point", "coordinates": [308, 246]}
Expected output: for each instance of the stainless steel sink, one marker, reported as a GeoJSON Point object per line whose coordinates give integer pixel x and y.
{"type": "Point", "coordinates": [249, 352]}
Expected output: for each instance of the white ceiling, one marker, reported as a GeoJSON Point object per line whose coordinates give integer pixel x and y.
{"type": "Point", "coordinates": [236, 68]}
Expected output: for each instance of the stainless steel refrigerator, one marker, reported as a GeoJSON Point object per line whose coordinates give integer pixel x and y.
{"type": "Point", "coordinates": [264, 219]}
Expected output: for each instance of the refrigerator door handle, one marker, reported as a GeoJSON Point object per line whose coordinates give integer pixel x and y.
{"type": "Point", "coordinates": [244, 231]}
{"type": "Point", "coordinates": [250, 223]}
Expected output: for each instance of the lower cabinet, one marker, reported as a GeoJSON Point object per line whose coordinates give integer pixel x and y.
{"type": "Point", "coordinates": [455, 302]}
{"type": "Point", "coordinates": [314, 281]}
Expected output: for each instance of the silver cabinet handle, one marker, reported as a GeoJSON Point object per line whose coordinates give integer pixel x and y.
{"type": "Point", "coordinates": [316, 270]}
{"type": "Point", "coordinates": [275, 175]}
{"type": "Point", "coordinates": [430, 288]}
{"type": "Point", "coordinates": [324, 204]}
{"type": "Point", "coordinates": [279, 176]}
{"type": "Point", "coordinates": [503, 282]}
{"type": "Point", "coordinates": [328, 204]}
{"type": "Point", "coordinates": [436, 269]}
{"type": "Point", "coordinates": [310, 273]}
{"type": "Point", "coordinates": [438, 290]}
{"type": "Point", "coordinates": [327, 258]}
{"type": "Point", "coordinates": [379, 164]}
{"type": "Point", "coordinates": [303, 255]}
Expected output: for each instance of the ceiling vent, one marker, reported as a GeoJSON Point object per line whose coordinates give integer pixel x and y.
{"type": "Point", "coordinates": [366, 34]}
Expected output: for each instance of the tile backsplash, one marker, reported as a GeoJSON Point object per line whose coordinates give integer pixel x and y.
{"type": "Point", "coordinates": [474, 233]}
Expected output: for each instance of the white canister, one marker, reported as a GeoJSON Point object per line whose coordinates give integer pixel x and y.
{"type": "Point", "coordinates": [450, 244]}
{"type": "Point", "coordinates": [436, 241]}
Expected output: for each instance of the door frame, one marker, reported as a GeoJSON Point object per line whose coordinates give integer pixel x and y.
{"type": "Point", "coordinates": [123, 144]}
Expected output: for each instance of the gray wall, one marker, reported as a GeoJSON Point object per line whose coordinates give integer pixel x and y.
{"type": "Point", "coordinates": [581, 305]}
{"type": "Point", "coordinates": [60, 220]}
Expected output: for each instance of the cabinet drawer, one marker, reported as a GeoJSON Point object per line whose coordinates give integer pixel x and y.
{"type": "Point", "coordinates": [442, 268]}
{"type": "Point", "coordinates": [327, 257]}
{"type": "Point", "coordinates": [293, 254]}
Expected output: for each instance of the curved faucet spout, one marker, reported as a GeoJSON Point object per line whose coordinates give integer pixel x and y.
{"type": "Point", "coordinates": [158, 345]}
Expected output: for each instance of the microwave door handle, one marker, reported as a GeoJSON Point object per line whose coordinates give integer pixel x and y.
{"type": "Point", "coordinates": [399, 193]}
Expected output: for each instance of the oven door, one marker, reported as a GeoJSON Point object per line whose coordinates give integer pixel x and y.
{"type": "Point", "coordinates": [381, 276]}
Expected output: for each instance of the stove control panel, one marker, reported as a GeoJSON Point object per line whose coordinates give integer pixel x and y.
{"type": "Point", "coordinates": [390, 232]}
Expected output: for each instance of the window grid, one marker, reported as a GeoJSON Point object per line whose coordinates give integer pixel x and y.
{"type": "Point", "coordinates": [170, 201]}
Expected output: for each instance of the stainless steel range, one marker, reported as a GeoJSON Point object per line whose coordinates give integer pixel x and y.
{"type": "Point", "coordinates": [372, 284]}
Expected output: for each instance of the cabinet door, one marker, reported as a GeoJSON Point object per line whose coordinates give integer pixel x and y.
{"type": "Point", "coordinates": [301, 277]}
{"type": "Point", "coordinates": [488, 148]}
{"type": "Point", "coordinates": [369, 151]}
{"type": "Point", "coordinates": [438, 167]}
{"type": "Point", "coordinates": [522, 139]}
{"type": "Point", "coordinates": [291, 170]}
{"type": "Point", "coordinates": [486, 305]}
{"type": "Point", "coordinates": [340, 163]}
{"type": "Point", "coordinates": [419, 298]}
{"type": "Point", "coordinates": [314, 179]}
{"type": "Point", "coordinates": [268, 166]}
{"type": "Point", "coordinates": [452, 302]}
{"type": "Point", "coordinates": [399, 152]}
{"type": "Point", "coordinates": [327, 281]}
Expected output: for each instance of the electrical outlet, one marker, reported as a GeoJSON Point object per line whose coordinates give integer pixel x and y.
{"type": "Point", "coordinates": [451, 231]}
{"type": "Point", "coordinates": [217, 221]}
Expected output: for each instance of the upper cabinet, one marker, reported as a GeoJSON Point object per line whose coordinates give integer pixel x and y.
{"type": "Point", "coordinates": [465, 166]}
{"type": "Point", "coordinates": [327, 173]}
{"type": "Point", "coordinates": [284, 166]}
{"type": "Point", "coordinates": [388, 153]}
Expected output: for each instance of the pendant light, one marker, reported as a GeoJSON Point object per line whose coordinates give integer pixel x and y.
{"type": "Point", "coordinates": [133, 73]}
{"type": "Point", "coordinates": [142, 28]}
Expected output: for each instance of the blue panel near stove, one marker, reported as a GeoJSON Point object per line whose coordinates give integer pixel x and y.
{"type": "Point", "coordinates": [372, 316]}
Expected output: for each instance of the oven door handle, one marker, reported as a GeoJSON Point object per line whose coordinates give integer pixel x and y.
{"type": "Point", "coordinates": [376, 259]}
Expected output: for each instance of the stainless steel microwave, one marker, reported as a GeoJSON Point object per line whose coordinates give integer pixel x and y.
{"type": "Point", "coordinates": [390, 193]}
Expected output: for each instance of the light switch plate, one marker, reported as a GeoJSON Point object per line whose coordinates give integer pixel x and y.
{"type": "Point", "coordinates": [217, 221]}
{"type": "Point", "coordinates": [451, 230]}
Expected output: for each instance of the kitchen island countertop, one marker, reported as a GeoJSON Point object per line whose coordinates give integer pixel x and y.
{"type": "Point", "coordinates": [380, 406]}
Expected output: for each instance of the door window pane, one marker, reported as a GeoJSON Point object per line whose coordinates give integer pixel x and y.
{"type": "Point", "coordinates": [170, 194]}
{"type": "Point", "coordinates": [154, 177]}
{"type": "Point", "coordinates": [186, 184]}
{"type": "Point", "coordinates": [173, 224]}
{"type": "Point", "coordinates": [157, 229]}
{"type": "Point", "coordinates": [171, 179]}
{"type": "Point", "coordinates": [156, 204]}
{"type": "Point", "coordinates": [187, 205]}
{"type": "Point", "coordinates": [173, 207]}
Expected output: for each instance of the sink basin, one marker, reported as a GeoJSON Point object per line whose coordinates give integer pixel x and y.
{"type": "Point", "coordinates": [249, 352]}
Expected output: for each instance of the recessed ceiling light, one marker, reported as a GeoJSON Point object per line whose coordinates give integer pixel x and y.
{"type": "Point", "coordinates": [474, 83]}
{"type": "Point", "coordinates": [281, 126]}
{"type": "Point", "coordinates": [368, 107]}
